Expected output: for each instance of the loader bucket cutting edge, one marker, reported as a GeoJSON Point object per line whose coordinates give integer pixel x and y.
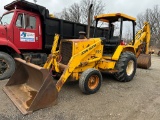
{"type": "Point", "coordinates": [31, 87]}
{"type": "Point", "coordinates": [144, 61]}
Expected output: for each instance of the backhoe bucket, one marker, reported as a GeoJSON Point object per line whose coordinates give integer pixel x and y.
{"type": "Point", "coordinates": [31, 87]}
{"type": "Point", "coordinates": [144, 61]}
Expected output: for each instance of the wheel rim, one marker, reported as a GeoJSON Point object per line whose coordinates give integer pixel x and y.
{"type": "Point", "coordinates": [3, 66]}
{"type": "Point", "coordinates": [130, 67]}
{"type": "Point", "coordinates": [93, 82]}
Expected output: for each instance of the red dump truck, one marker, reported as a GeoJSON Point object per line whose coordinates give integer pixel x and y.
{"type": "Point", "coordinates": [26, 29]}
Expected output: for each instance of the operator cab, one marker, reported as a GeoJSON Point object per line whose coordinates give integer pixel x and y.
{"type": "Point", "coordinates": [115, 28]}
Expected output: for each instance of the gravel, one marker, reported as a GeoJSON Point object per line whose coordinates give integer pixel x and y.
{"type": "Point", "coordinates": [138, 99]}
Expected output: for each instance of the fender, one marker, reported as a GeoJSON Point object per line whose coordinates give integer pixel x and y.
{"type": "Point", "coordinates": [122, 48]}
{"type": "Point", "coordinates": [5, 42]}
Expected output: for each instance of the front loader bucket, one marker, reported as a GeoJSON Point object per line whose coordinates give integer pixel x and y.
{"type": "Point", "coordinates": [144, 61]}
{"type": "Point", "coordinates": [31, 87]}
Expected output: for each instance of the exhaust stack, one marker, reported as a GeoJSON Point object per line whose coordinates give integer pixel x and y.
{"type": "Point", "coordinates": [89, 21]}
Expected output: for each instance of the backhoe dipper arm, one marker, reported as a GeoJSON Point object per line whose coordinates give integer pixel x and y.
{"type": "Point", "coordinates": [143, 36]}
{"type": "Point", "coordinates": [74, 62]}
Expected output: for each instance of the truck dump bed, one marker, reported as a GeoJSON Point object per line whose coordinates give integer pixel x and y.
{"type": "Point", "coordinates": [66, 29]}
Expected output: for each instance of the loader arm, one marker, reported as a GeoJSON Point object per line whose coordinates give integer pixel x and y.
{"type": "Point", "coordinates": [52, 57]}
{"type": "Point", "coordinates": [143, 39]}
{"type": "Point", "coordinates": [75, 61]}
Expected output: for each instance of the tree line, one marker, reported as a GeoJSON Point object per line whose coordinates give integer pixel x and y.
{"type": "Point", "coordinates": [151, 15]}
{"type": "Point", "coordinates": [78, 12]}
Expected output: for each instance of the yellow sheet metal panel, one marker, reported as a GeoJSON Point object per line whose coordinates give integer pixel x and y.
{"type": "Point", "coordinates": [106, 64]}
{"type": "Point", "coordinates": [85, 67]}
{"type": "Point", "coordinates": [130, 49]}
{"type": "Point", "coordinates": [102, 16]}
{"type": "Point", "coordinates": [80, 45]}
{"type": "Point", "coordinates": [74, 76]}
{"type": "Point", "coordinates": [117, 53]}
{"type": "Point", "coordinates": [122, 48]}
{"type": "Point", "coordinates": [107, 57]}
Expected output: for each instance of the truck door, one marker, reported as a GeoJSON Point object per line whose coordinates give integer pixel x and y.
{"type": "Point", "coordinates": [27, 33]}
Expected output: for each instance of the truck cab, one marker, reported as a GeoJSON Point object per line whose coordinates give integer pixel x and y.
{"type": "Point", "coordinates": [27, 30]}
{"type": "Point", "coordinates": [22, 29]}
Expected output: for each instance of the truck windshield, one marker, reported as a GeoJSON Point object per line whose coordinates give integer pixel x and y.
{"type": "Point", "coordinates": [6, 19]}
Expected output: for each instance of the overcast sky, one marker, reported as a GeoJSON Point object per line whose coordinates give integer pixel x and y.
{"type": "Point", "coordinates": [130, 7]}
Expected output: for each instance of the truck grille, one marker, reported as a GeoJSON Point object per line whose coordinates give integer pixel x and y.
{"type": "Point", "coordinates": [66, 52]}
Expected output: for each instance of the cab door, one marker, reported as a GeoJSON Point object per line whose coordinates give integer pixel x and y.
{"type": "Point", "coordinates": [27, 32]}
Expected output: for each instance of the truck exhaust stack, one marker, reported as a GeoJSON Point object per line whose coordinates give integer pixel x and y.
{"type": "Point", "coordinates": [31, 87]}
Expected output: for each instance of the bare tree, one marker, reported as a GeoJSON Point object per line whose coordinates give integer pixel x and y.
{"type": "Point", "coordinates": [79, 12]}
{"type": "Point", "coordinates": [35, 1]}
{"type": "Point", "coordinates": [64, 15]}
{"type": "Point", "coordinates": [140, 21]}
{"type": "Point", "coordinates": [153, 17]}
{"type": "Point", "coordinates": [75, 13]}
{"type": "Point", "coordinates": [98, 8]}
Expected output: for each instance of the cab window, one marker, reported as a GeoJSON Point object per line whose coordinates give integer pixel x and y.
{"type": "Point", "coordinates": [32, 23]}
{"type": "Point", "coordinates": [29, 24]}
{"type": "Point", "coordinates": [19, 22]}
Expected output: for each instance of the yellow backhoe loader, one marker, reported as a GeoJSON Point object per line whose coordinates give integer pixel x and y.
{"type": "Point", "coordinates": [32, 87]}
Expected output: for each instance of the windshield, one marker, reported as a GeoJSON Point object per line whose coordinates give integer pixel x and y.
{"type": "Point", "coordinates": [6, 19]}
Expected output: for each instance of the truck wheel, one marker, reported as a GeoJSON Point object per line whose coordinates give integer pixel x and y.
{"type": "Point", "coordinates": [90, 81]}
{"type": "Point", "coordinates": [7, 65]}
{"type": "Point", "coordinates": [126, 67]}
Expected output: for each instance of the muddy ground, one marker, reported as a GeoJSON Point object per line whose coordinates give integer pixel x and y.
{"type": "Point", "coordinates": [135, 100]}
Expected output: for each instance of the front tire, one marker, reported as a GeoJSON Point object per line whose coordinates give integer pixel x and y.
{"type": "Point", "coordinates": [126, 67]}
{"type": "Point", "coordinates": [7, 65]}
{"type": "Point", "coordinates": [90, 81]}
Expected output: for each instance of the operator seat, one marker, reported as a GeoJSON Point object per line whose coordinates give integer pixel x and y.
{"type": "Point", "coordinates": [110, 44]}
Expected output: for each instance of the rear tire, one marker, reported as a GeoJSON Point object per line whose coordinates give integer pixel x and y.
{"type": "Point", "coordinates": [90, 81]}
{"type": "Point", "coordinates": [7, 65]}
{"type": "Point", "coordinates": [126, 67]}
